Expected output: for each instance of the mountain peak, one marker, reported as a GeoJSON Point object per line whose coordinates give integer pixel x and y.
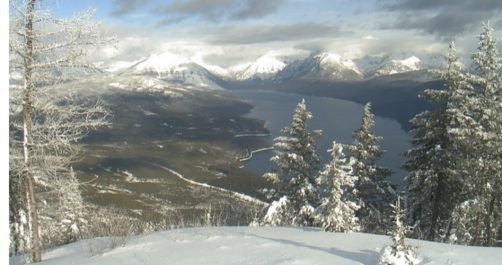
{"type": "Point", "coordinates": [409, 64]}
{"type": "Point", "coordinates": [163, 62]}
{"type": "Point", "coordinates": [412, 62]}
{"type": "Point", "coordinates": [328, 60]}
{"type": "Point", "coordinates": [322, 66]}
{"type": "Point", "coordinates": [264, 67]}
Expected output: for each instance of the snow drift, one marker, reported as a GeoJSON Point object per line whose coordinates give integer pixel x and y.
{"type": "Point", "coordinates": [257, 245]}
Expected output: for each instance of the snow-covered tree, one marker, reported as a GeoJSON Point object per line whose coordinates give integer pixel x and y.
{"type": "Point", "coordinates": [277, 213]}
{"type": "Point", "coordinates": [399, 253]}
{"type": "Point", "coordinates": [374, 190]}
{"type": "Point", "coordinates": [44, 121]}
{"type": "Point", "coordinates": [338, 212]}
{"type": "Point", "coordinates": [434, 183]}
{"type": "Point", "coordinates": [297, 165]}
{"type": "Point", "coordinates": [483, 142]}
{"type": "Point", "coordinates": [67, 222]}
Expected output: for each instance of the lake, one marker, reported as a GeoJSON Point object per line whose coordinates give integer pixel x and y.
{"type": "Point", "coordinates": [335, 117]}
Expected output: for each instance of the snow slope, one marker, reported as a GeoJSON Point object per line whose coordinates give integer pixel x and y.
{"type": "Point", "coordinates": [256, 245]}
{"type": "Point", "coordinates": [162, 63]}
{"type": "Point", "coordinates": [263, 68]}
{"type": "Point", "coordinates": [174, 69]}
{"type": "Point", "coordinates": [409, 64]}
{"type": "Point", "coordinates": [323, 66]}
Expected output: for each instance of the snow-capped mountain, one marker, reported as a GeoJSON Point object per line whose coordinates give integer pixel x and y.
{"type": "Point", "coordinates": [161, 64]}
{"type": "Point", "coordinates": [216, 70]}
{"type": "Point", "coordinates": [263, 68]}
{"type": "Point", "coordinates": [369, 64]}
{"type": "Point", "coordinates": [323, 66]}
{"type": "Point", "coordinates": [174, 68]}
{"type": "Point", "coordinates": [409, 64]}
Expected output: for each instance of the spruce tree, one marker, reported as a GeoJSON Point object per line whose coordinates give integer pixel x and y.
{"type": "Point", "coordinates": [277, 213]}
{"type": "Point", "coordinates": [375, 192]}
{"type": "Point", "coordinates": [338, 212]}
{"type": "Point", "coordinates": [483, 181]}
{"type": "Point", "coordinates": [399, 252]}
{"type": "Point", "coordinates": [434, 183]}
{"type": "Point", "coordinates": [297, 165]}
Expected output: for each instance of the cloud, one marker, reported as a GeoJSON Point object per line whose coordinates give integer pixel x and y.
{"type": "Point", "coordinates": [257, 8]}
{"type": "Point", "coordinates": [207, 10]}
{"type": "Point", "coordinates": [123, 7]}
{"type": "Point", "coordinates": [443, 18]}
{"type": "Point", "coordinates": [265, 33]}
{"type": "Point", "coordinates": [433, 4]}
{"type": "Point", "coordinates": [217, 10]}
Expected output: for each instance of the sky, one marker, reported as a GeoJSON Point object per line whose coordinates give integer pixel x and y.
{"type": "Point", "coordinates": [228, 32]}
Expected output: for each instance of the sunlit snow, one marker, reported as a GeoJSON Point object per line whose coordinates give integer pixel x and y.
{"type": "Point", "coordinates": [256, 245]}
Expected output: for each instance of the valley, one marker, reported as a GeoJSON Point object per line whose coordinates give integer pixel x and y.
{"type": "Point", "coordinates": [207, 136]}
{"type": "Point", "coordinates": [185, 138]}
{"type": "Point", "coordinates": [122, 166]}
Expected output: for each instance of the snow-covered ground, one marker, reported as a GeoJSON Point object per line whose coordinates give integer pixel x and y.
{"type": "Point", "coordinates": [256, 245]}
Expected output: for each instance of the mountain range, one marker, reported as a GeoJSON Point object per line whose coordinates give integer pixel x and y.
{"type": "Point", "coordinates": [316, 67]}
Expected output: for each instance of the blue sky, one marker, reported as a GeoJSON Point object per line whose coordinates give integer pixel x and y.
{"type": "Point", "coordinates": [226, 32]}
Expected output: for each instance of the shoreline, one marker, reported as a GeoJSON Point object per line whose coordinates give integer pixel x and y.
{"type": "Point", "coordinates": [252, 135]}
{"type": "Point", "coordinates": [254, 152]}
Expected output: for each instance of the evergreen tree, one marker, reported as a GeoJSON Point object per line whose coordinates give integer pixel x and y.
{"type": "Point", "coordinates": [399, 253]}
{"type": "Point", "coordinates": [376, 193]}
{"type": "Point", "coordinates": [338, 212]}
{"type": "Point", "coordinates": [434, 183]}
{"type": "Point", "coordinates": [297, 167]}
{"type": "Point", "coordinates": [483, 166]}
{"type": "Point", "coordinates": [278, 213]}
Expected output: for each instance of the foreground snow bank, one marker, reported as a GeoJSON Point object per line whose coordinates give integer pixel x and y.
{"type": "Point", "coordinates": [257, 245]}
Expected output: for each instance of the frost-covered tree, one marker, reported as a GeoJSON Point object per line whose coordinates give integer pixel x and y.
{"type": "Point", "coordinates": [399, 253]}
{"type": "Point", "coordinates": [483, 142]}
{"type": "Point", "coordinates": [45, 122]}
{"type": "Point", "coordinates": [338, 212]}
{"type": "Point", "coordinates": [434, 183]}
{"type": "Point", "coordinates": [277, 213]}
{"type": "Point", "coordinates": [374, 190]}
{"type": "Point", "coordinates": [297, 165]}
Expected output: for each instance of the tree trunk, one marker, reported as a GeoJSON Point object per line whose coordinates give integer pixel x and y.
{"type": "Point", "coordinates": [436, 207]}
{"type": "Point", "coordinates": [37, 255]}
{"type": "Point", "coordinates": [491, 219]}
{"type": "Point", "coordinates": [27, 122]}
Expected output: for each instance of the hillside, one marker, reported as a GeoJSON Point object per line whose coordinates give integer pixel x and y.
{"type": "Point", "coordinates": [256, 245]}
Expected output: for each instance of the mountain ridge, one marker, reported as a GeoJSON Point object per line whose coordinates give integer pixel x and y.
{"type": "Point", "coordinates": [320, 66]}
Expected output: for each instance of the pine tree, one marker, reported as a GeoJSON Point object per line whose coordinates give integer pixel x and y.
{"type": "Point", "coordinates": [399, 253]}
{"type": "Point", "coordinates": [277, 213]}
{"type": "Point", "coordinates": [376, 193]}
{"type": "Point", "coordinates": [434, 183]}
{"type": "Point", "coordinates": [297, 166]}
{"type": "Point", "coordinates": [483, 166]}
{"type": "Point", "coordinates": [338, 212]}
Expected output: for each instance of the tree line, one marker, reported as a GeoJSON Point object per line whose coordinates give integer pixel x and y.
{"type": "Point", "coordinates": [453, 188]}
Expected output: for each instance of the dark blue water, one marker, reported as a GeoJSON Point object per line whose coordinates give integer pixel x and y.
{"type": "Point", "coordinates": [337, 118]}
